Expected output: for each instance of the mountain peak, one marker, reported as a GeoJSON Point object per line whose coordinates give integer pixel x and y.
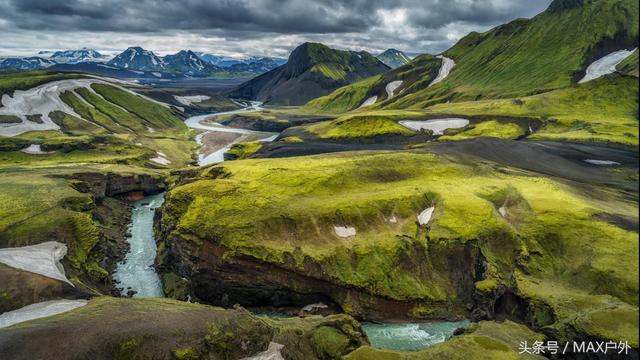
{"type": "Point", "coordinates": [393, 58]}
{"type": "Point", "coordinates": [313, 70]}
{"type": "Point", "coordinates": [76, 56]}
{"type": "Point", "coordinates": [137, 58]}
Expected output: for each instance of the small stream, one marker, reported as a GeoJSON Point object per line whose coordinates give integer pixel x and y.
{"type": "Point", "coordinates": [136, 272]}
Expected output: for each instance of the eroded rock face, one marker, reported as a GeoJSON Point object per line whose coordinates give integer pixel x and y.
{"type": "Point", "coordinates": [117, 328]}
{"type": "Point", "coordinates": [112, 184]}
{"type": "Point", "coordinates": [212, 274]}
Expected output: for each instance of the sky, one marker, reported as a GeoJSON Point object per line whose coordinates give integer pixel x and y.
{"type": "Point", "coordinates": [249, 27]}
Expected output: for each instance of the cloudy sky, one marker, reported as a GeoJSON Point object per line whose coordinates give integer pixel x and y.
{"type": "Point", "coordinates": [257, 27]}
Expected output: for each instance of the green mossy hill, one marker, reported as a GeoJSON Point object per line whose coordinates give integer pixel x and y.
{"type": "Point", "coordinates": [242, 150]}
{"type": "Point", "coordinates": [559, 45]}
{"type": "Point", "coordinates": [312, 70]}
{"type": "Point", "coordinates": [118, 328]}
{"type": "Point", "coordinates": [630, 65]}
{"type": "Point", "coordinates": [283, 212]}
{"type": "Point", "coordinates": [491, 128]}
{"type": "Point", "coordinates": [521, 58]}
{"type": "Point", "coordinates": [383, 126]}
{"type": "Point", "coordinates": [602, 110]}
{"type": "Point", "coordinates": [485, 340]}
{"type": "Point", "coordinates": [358, 126]}
{"type": "Point", "coordinates": [416, 75]}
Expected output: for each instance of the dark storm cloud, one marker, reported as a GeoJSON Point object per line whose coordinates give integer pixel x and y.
{"type": "Point", "coordinates": [290, 16]}
{"type": "Point", "coordinates": [270, 25]}
{"type": "Point", "coordinates": [279, 16]}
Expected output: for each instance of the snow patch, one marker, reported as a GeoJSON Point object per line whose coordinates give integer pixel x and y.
{"type": "Point", "coordinates": [605, 65]}
{"type": "Point", "coordinates": [160, 159]}
{"type": "Point", "coordinates": [370, 101]}
{"type": "Point", "coordinates": [602, 162]}
{"type": "Point", "coordinates": [107, 66]}
{"type": "Point", "coordinates": [391, 87]}
{"type": "Point", "coordinates": [43, 259]}
{"type": "Point", "coordinates": [272, 353]}
{"type": "Point", "coordinates": [445, 69]}
{"type": "Point", "coordinates": [188, 100]}
{"type": "Point", "coordinates": [425, 215]}
{"type": "Point", "coordinates": [344, 231]}
{"type": "Point", "coordinates": [34, 149]}
{"type": "Point", "coordinates": [503, 210]}
{"type": "Point", "coordinates": [39, 310]}
{"type": "Point", "coordinates": [311, 307]}
{"type": "Point", "coordinates": [438, 126]}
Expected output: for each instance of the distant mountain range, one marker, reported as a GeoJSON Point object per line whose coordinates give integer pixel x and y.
{"type": "Point", "coordinates": [138, 62]}
{"type": "Point", "coordinates": [227, 62]}
{"type": "Point", "coordinates": [26, 63]}
{"type": "Point", "coordinates": [312, 70]}
{"type": "Point", "coordinates": [77, 56]}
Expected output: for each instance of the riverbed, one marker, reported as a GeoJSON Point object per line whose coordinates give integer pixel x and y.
{"type": "Point", "coordinates": [211, 128]}
{"type": "Point", "coordinates": [136, 272]}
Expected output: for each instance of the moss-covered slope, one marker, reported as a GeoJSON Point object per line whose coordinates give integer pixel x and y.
{"type": "Point", "coordinates": [630, 65]}
{"type": "Point", "coordinates": [547, 52]}
{"type": "Point", "coordinates": [603, 110]}
{"type": "Point", "coordinates": [414, 76]}
{"type": "Point", "coordinates": [111, 328]}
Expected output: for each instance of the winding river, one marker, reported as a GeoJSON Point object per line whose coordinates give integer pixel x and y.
{"type": "Point", "coordinates": [196, 122]}
{"type": "Point", "coordinates": [136, 272]}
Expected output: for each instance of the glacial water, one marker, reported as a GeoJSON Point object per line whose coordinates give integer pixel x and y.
{"type": "Point", "coordinates": [410, 337]}
{"type": "Point", "coordinates": [136, 272]}
{"type": "Point", "coordinates": [196, 122]}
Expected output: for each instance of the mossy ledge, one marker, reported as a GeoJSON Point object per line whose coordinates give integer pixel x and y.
{"type": "Point", "coordinates": [121, 329]}
{"type": "Point", "coordinates": [260, 232]}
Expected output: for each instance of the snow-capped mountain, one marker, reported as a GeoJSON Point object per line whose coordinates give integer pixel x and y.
{"type": "Point", "coordinates": [139, 59]}
{"type": "Point", "coordinates": [77, 56]}
{"type": "Point", "coordinates": [27, 63]}
{"type": "Point", "coordinates": [217, 60]}
{"type": "Point", "coordinates": [393, 58]}
{"type": "Point", "coordinates": [187, 62]}
{"type": "Point", "coordinates": [265, 62]}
